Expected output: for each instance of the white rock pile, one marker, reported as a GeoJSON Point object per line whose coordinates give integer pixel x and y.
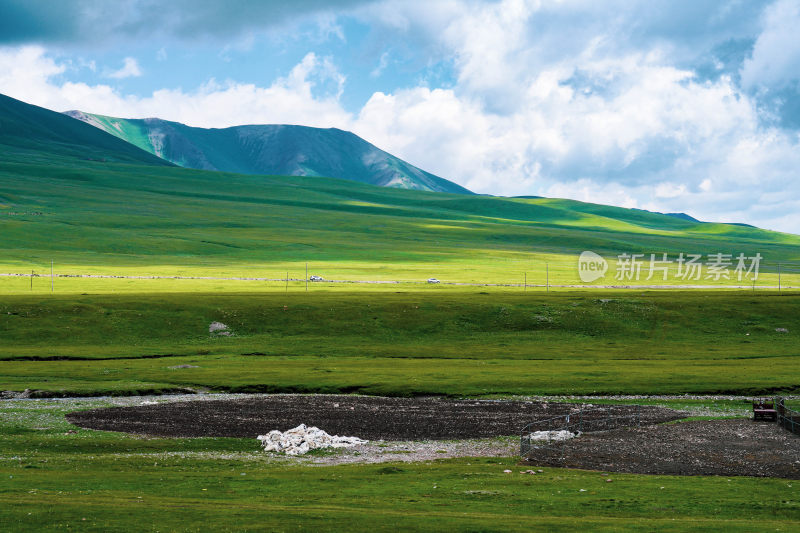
{"type": "Point", "coordinates": [557, 435]}
{"type": "Point", "coordinates": [302, 439]}
{"type": "Point", "coordinates": [218, 329]}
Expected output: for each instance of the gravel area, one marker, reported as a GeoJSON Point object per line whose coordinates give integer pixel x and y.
{"type": "Point", "coordinates": [709, 447]}
{"type": "Point", "coordinates": [366, 417]}
{"type": "Point", "coordinates": [408, 430]}
{"type": "Point", "coordinates": [414, 451]}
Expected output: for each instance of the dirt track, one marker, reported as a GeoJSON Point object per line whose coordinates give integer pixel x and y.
{"type": "Point", "coordinates": [366, 417]}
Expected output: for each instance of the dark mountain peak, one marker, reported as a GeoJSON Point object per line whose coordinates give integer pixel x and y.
{"type": "Point", "coordinates": [283, 149]}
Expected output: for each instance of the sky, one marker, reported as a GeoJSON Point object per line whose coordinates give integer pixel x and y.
{"type": "Point", "coordinates": [666, 105]}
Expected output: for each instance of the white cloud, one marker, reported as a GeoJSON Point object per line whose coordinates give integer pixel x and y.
{"type": "Point", "coordinates": [30, 74]}
{"type": "Point", "coordinates": [383, 62]}
{"type": "Point", "coordinates": [130, 69]}
{"type": "Point", "coordinates": [669, 190]}
{"type": "Point", "coordinates": [776, 56]}
{"type": "Point", "coordinates": [25, 73]}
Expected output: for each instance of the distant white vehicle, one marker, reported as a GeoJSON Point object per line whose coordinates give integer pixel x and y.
{"type": "Point", "coordinates": [315, 278]}
{"type": "Point", "coordinates": [433, 280]}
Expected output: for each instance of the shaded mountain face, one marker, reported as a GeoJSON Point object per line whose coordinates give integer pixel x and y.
{"type": "Point", "coordinates": [271, 149]}
{"type": "Point", "coordinates": [26, 127]}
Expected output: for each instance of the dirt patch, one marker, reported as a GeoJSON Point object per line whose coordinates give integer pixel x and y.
{"type": "Point", "coordinates": [403, 429]}
{"type": "Point", "coordinates": [366, 417]}
{"type": "Point", "coordinates": [717, 447]}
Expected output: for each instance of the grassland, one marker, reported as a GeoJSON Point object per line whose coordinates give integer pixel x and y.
{"type": "Point", "coordinates": [114, 218]}
{"type": "Point", "coordinates": [56, 477]}
{"type": "Point", "coordinates": [93, 206]}
{"type": "Point", "coordinates": [403, 344]}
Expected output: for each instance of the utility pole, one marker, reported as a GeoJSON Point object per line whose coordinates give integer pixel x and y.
{"type": "Point", "coordinates": [526, 283]}
{"type": "Point", "coordinates": [31, 279]}
{"type": "Point", "coordinates": [547, 277]}
{"type": "Point", "coordinates": [287, 282]}
{"type": "Point", "coordinates": [779, 277]}
{"type": "Point", "coordinates": [306, 277]}
{"type": "Point", "coordinates": [52, 286]}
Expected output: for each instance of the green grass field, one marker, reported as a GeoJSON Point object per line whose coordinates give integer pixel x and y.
{"type": "Point", "coordinates": [101, 481]}
{"type": "Point", "coordinates": [92, 217]}
{"type": "Point", "coordinates": [75, 196]}
{"type": "Point", "coordinates": [389, 343]}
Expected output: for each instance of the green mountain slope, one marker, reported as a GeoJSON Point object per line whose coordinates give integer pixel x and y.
{"type": "Point", "coordinates": [271, 149]}
{"type": "Point", "coordinates": [60, 201]}
{"type": "Point", "coordinates": [28, 127]}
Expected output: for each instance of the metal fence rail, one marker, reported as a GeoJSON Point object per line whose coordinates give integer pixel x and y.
{"type": "Point", "coordinates": [787, 417]}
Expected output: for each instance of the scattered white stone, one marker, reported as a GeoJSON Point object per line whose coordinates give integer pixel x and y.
{"type": "Point", "coordinates": [302, 439]}
{"type": "Point", "coordinates": [781, 330]}
{"type": "Point", "coordinates": [556, 435]}
{"type": "Point", "coordinates": [219, 329]}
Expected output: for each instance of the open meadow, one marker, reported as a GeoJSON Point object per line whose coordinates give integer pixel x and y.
{"type": "Point", "coordinates": [477, 343]}
{"type": "Point", "coordinates": [125, 281]}
{"type": "Point", "coordinates": [408, 343]}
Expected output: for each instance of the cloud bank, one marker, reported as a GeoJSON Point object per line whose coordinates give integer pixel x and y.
{"type": "Point", "coordinates": [100, 21]}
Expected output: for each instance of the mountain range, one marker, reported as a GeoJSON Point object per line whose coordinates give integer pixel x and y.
{"type": "Point", "coordinates": [271, 149]}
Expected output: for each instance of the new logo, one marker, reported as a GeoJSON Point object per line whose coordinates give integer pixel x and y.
{"type": "Point", "coordinates": [591, 267]}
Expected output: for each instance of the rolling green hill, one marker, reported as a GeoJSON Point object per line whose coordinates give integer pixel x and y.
{"type": "Point", "coordinates": [271, 149]}
{"type": "Point", "coordinates": [94, 204]}
{"type": "Point", "coordinates": [25, 127]}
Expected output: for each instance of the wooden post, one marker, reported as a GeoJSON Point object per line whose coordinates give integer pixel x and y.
{"type": "Point", "coordinates": [547, 277]}
{"type": "Point", "coordinates": [52, 287]}
{"type": "Point", "coordinates": [306, 277]}
{"type": "Point", "coordinates": [779, 277]}
{"type": "Point", "coordinates": [526, 283]}
{"type": "Point", "coordinates": [31, 279]}
{"type": "Point", "coordinates": [287, 282]}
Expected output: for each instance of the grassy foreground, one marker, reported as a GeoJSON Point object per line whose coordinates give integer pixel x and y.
{"type": "Point", "coordinates": [403, 344]}
{"type": "Point", "coordinates": [57, 477]}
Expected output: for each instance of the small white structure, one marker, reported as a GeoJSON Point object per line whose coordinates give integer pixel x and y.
{"type": "Point", "coordinates": [551, 436]}
{"type": "Point", "coordinates": [302, 439]}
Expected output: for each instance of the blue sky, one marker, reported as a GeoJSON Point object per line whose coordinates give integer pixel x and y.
{"type": "Point", "coordinates": [669, 105]}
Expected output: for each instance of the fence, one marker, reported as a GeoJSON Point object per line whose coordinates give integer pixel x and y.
{"type": "Point", "coordinates": [787, 417]}
{"type": "Point", "coordinates": [771, 275]}
{"type": "Point", "coordinates": [547, 437]}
